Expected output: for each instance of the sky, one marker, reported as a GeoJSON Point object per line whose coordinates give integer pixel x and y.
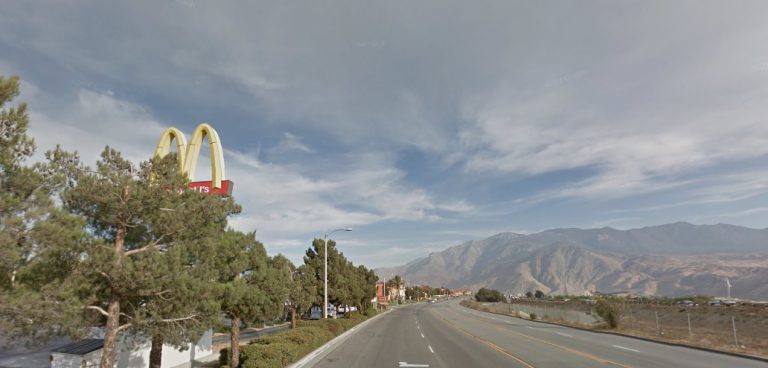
{"type": "Point", "coordinates": [418, 124]}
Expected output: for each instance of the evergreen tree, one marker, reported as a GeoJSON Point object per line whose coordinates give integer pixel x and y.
{"type": "Point", "coordinates": [253, 287]}
{"type": "Point", "coordinates": [38, 241]}
{"type": "Point", "coordinates": [144, 271]}
{"type": "Point", "coordinates": [301, 293]}
{"type": "Point", "coordinates": [347, 284]}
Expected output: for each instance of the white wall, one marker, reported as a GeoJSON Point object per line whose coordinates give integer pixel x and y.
{"type": "Point", "coordinates": [60, 360]}
{"type": "Point", "coordinates": [137, 355]}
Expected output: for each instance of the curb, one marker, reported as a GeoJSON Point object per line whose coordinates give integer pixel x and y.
{"type": "Point", "coordinates": [669, 343]}
{"type": "Point", "coordinates": [336, 340]}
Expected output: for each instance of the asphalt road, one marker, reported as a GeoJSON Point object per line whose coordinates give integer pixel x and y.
{"type": "Point", "coordinates": [446, 334]}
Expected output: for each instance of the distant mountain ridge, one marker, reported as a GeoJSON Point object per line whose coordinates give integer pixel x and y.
{"type": "Point", "coordinates": [671, 259]}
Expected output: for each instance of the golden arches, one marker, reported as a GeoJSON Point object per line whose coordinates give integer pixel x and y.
{"type": "Point", "coordinates": [188, 153]}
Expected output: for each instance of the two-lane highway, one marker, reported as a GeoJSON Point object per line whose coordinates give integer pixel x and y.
{"type": "Point", "coordinates": [447, 335]}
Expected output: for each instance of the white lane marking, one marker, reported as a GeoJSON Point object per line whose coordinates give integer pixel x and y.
{"type": "Point", "coordinates": [406, 364]}
{"type": "Point", "coordinates": [529, 327]}
{"type": "Point", "coordinates": [621, 347]}
{"type": "Point", "coordinates": [564, 334]}
{"type": "Point", "coordinates": [418, 327]}
{"type": "Point", "coordinates": [430, 349]}
{"type": "Point", "coordinates": [422, 336]}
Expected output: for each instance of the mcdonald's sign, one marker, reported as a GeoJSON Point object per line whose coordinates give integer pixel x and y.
{"type": "Point", "coordinates": [188, 153]}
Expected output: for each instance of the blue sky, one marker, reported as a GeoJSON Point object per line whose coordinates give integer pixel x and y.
{"type": "Point", "coordinates": [420, 124]}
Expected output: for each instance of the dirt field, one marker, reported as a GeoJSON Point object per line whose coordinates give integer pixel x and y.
{"type": "Point", "coordinates": [710, 327]}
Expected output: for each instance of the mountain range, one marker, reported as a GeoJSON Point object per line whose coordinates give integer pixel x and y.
{"type": "Point", "coordinates": [670, 260]}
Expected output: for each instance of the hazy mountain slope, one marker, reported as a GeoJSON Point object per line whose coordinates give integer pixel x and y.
{"type": "Point", "coordinates": [672, 259]}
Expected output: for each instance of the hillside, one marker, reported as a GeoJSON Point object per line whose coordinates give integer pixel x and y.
{"type": "Point", "coordinates": [673, 259]}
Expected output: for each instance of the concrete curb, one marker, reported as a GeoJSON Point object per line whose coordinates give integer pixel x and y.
{"type": "Point", "coordinates": [336, 340]}
{"type": "Point", "coordinates": [669, 343]}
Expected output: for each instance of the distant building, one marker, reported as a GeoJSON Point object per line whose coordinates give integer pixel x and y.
{"type": "Point", "coordinates": [461, 292]}
{"type": "Point", "coordinates": [381, 298]}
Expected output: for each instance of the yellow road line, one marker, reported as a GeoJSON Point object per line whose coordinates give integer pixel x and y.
{"type": "Point", "coordinates": [565, 348]}
{"type": "Point", "coordinates": [488, 343]}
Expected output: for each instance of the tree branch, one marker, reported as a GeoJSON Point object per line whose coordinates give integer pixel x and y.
{"type": "Point", "coordinates": [123, 327]}
{"type": "Point", "coordinates": [146, 247]}
{"type": "Point", "coordinates": [171, 320]}
{"type": "Point", "coordinates": [99, 309]}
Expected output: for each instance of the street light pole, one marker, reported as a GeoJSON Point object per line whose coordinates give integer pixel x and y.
{"type": "Point", "coordinates": [325, 271]}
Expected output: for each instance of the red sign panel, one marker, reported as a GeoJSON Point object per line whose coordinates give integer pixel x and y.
{"type": "Point", "coordinates": [206, 187]}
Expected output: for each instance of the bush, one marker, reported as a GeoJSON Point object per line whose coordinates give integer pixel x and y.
{"type": "Point", "coordinates": [370, 312]}
{"type": "Point", "coordinates": [533, 316]}
{"type": "Point", "coordinates": [609, 311]}
{"type": "Point", "coordinates": [281, 349]}
{"type": "Point", "coordinates": [489, 295]}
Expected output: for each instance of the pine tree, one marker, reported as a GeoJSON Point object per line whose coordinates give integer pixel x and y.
{"type": "Point", "coordinates": [301, 293]}
{"type": "Point", "coordinates": [38, 241]}
{"type": "Point", "coordinates": [347, 284]}
{"type": "Point", "coordinates": [240, 260]}
{"type": "Point", "coordinates": [152, 240]}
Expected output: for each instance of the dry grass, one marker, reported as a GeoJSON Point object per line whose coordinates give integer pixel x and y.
{"type": "Point", "coordinates": [711, 327]}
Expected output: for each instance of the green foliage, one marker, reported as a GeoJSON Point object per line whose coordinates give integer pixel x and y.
{"type": "Point", "coordinates": [528, 294]}
{"type": "Point", "coordinates": [538, 294]}
{"type": "Point", "coordinates": [609, 311]}
{"type": "Point", "coordinates": [533, 316]}
{"type": "Point", "coordinates": [489, 295]}
{"type": "Point", "coordinates": [40, 244]}
{"type": "Point", "coordinates": [347, 284]}
{"type": "Point", "coordinates": [286, 347]}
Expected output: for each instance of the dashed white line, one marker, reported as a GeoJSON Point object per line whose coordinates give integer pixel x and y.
{"type": "Point", "coordinates": [564, 334]}
{"type": "Point", "coordinates": [529, 327]}
{"type": "Point", "coordinates": [430, 349]}
{"type": "Point", "coordinates": [418, 327]}
{"type": "Point", "coordinates": [406, 364]}
{"type": "Point", "coordinates": [422, 336]}
{"type": "Point", "coordinates": [621, 347]}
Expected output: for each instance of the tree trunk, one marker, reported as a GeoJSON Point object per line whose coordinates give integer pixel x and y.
{"type": "Point", "coordinates": [234, 359]}
{"type": "Point", "coordinates": [110, 334]}
{"type": "Point", "coordinates": [156, 352]}
{"type": "Point", "coordinates": [293, 317]}
{"type": "Point", "coordinates": [113, 309]}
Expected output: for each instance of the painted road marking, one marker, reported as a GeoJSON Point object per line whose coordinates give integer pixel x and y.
{"type": "Point", "coordinates": [564, 334]}
{"type": "Point", "coordinates": [418, 327]}
{"type": "Point", "coordinates": [406, 364]}
{"type": "Point", "coordinates": [430, 349]}
{"type": "Point", "coordinates": [574, 351]}
{"type": "Point", "coordinates": [621, 347]}
{"type": "Point", "coordinates": [486, 342]}
{"type": "Point", "coordinates": [422, 336]}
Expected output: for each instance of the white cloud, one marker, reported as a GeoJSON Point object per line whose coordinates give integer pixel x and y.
{"type": "Point", "coordinates": [291, 143]}
{"type": "Point", "coordinates": [93, 121]}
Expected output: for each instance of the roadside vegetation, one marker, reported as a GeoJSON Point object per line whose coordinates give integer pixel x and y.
{"type": "Point", "coordinates": [692, 320]}
{"type": "Point", "coordinates": [289, 346]}
{"type": "Point", "coordinates": [121, 246]}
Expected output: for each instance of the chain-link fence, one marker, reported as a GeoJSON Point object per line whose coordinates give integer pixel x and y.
{"type": "Point", "coordinates": [740, 328]}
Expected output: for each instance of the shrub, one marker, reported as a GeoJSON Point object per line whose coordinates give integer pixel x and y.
{"type": "Point", "coordinates": [370, 312]}
{"type": "Point", "coordinates": [489, 295]}
{"type": "Point", "coordinates": [533, 316]}
{"type": "Point", "coordinates": [281, 349]}
{"type": "Point", "coordinates": [609, 311]}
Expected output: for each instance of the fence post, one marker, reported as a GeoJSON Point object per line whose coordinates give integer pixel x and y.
{"type": "Point", "coordinates": [735, 337]}
{"type": "Point", "coordinates": [631, 320]}
{"type": "Point", "coordinates": [658, 329]}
